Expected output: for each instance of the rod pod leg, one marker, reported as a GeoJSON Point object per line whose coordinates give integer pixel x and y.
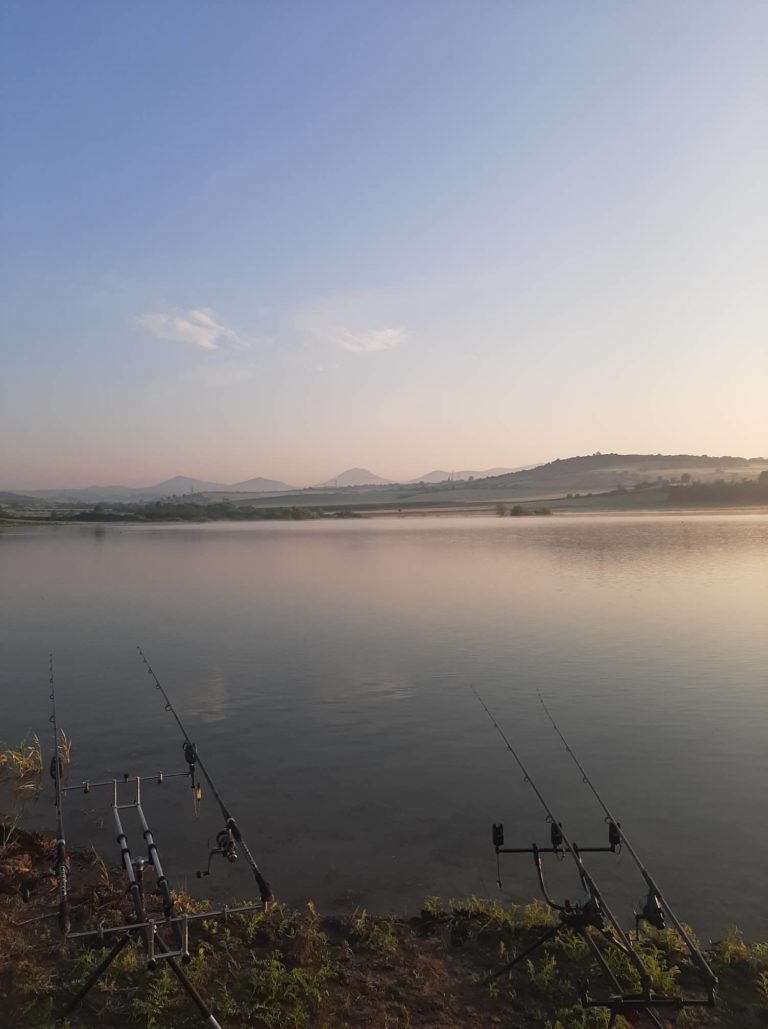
{"type": "Point", "coordinates": [548, 935]}
{"type": "Point", "coordinates": [92, 979]}
{"type": "Point", "coordinates": [189, 989]}
{"type": "Point", "coordinates": [651, 1015]}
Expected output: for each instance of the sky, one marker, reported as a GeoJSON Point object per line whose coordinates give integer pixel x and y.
{"type": "Point", "coordinates": [250, 237]}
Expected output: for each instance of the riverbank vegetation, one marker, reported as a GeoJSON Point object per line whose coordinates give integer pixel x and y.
{"type": "Point", "coordinates": [518, 511]}
{"type": "Point", "coordinates": [295, 969]}
{"type": "Point", "coordinates": [522, 498]}
{"type": "Point", "coordinates": [182, 511]}
{"type": "Point", "coordinates": [179, 511]}
{"type": "Point", "coordinates": [720, 493]}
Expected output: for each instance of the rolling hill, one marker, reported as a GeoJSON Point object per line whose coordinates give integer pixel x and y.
{"type": "Point", "coordinates": [354, 477]}
{"type": "Point", "coordinates": [179, 485]}
{"type": "Point", "coordinates": [438, 475]}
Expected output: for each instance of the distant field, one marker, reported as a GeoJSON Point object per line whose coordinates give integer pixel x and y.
{"type": "Point", "coordinates": [598, 482]}
{"type": "Point", "coordinates": [543, 483]}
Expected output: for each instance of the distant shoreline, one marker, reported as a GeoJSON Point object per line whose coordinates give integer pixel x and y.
{"type": "Point", "coordinates": [462, 511]}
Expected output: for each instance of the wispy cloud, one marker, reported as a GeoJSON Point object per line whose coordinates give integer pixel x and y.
{"type": "Point", "coordinates": [371, 340]}
{"type": "Point", "coordinates": [358, 323]}
{"type": "Point", "coordinates": [198, 327]}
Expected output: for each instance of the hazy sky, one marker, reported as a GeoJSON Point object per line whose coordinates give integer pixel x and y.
{"type": "Point", "coordinates": [281, 238]}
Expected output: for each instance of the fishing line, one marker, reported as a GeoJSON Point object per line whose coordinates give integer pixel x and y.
{"type": "Point", "coordinates": [558, 832]}
{"type": "Point", "coordinates": [656, 898]}
{"type": "Point", "coordinates": [230, 837]}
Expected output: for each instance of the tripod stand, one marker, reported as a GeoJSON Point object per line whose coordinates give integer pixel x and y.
{"type": "Point", "coordinates": [146, 930]}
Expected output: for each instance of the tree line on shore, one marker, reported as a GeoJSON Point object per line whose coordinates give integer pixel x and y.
{"type": "Point", "coordinates": [721, 491]}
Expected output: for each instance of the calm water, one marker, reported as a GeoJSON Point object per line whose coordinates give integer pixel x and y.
{"type": "Point", "coordinates": [324, 670]}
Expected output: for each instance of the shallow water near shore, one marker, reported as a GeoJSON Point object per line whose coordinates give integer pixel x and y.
{"type": "Point", "coordinates": [324, 670]}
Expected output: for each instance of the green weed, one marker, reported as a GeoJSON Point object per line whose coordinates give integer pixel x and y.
{"type": "Point", "coordinates": [543, 973]}
{"type": "Point", "coordinates": [376, 935]}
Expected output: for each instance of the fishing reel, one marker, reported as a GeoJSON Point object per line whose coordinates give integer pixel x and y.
{"type": "Point", "coordinates": [226, 846]}
{"type": "Point", "coordinates": [580, 914]}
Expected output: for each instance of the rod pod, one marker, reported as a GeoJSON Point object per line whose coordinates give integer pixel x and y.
{"type": "Point", "coordinates": [656, 901]}
{"type": "Point", "coordinates": [592, 912]}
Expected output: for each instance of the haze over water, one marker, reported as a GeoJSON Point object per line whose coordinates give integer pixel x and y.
{"type": "Point", "coordinates": [324, 670]}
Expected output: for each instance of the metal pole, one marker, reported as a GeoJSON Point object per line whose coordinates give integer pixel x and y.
{"type": "Point", "coordinates": [133, 886]}
{"type": "Point", "coordinates": [95, 975]}
{"type": "Point", "coordinates": [61, 846]}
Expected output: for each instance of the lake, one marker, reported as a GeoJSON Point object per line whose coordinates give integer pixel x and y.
{"type": "Point", "coordinates": [324, 670]}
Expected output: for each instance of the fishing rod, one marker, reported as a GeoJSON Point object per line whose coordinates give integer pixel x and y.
{"type": "Point", "coordinates": [230, 837]}
{"type": "Point", "coordinates": [656, 903]}
{"type": "Point", "coordinates": [580, 916]}
{"type": "Point", "coordinates": [560, 840]}
{"type": "Point", "coordinates": [57, 772]}
{"type": "Point", "coordinates": [141, 926]}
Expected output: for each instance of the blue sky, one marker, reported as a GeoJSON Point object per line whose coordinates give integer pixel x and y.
{"type": "Point", "coordinates": [251, 238]}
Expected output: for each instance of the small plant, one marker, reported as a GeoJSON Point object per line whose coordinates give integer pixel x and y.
{"type": "Point", "coordinates": [376, 935]}
{"type": "Point", "coordinates": [577, 1017]}
{"type": "Point", "coordinates": [733, 949]}
{"type": "Point", "coordinates": [311, 943]}
{"type": "Point", "coordinates": [762, 987]}
{"type": "Point", "coordinates": [153, 1002]}
{"type": "Point", "coordinates": [573, 945]}
{"type": "Point", "coordinates": [542, 974]}
{"type": "Point", "coordinates": [622, 968]}
{"type": "Point", "coordinates": [536, 915]}
{"type": "Point", "coordinates": [21, 771]}
{"type": "Point", "coordinates": [283, 999]}
{"type": "Point", "coordinates": [663, 978]}
{"type": "Point", "coordinates": [431, 907]}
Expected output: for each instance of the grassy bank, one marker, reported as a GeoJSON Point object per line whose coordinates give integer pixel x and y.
{"type": "Point", "coordinates": [298, 969]}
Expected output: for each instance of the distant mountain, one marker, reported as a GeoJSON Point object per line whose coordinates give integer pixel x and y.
{"type": "Point", "coordinates": [15, 499]}
{"type": "Point", "coordinates": [435, 476]}
{"type": "Point", "coordinates": [589, 473]}
{"type": "Point", "coordinates": [259, 485]}
{"type": "Point", "coordinates": [354, 477]}
{"type": "Point", "coordinates": [178, 486]}
{"type": "Point", "coordinates": [440, 476]}
{"type": "Point", "coordinates": [90, 494]}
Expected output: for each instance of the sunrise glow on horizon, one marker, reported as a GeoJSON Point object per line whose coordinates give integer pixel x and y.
{"type": "Point", "coordinates": [283, 240]}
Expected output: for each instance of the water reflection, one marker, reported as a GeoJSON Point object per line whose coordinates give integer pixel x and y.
{"type": "Point", "coordinates": [324, 669]}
